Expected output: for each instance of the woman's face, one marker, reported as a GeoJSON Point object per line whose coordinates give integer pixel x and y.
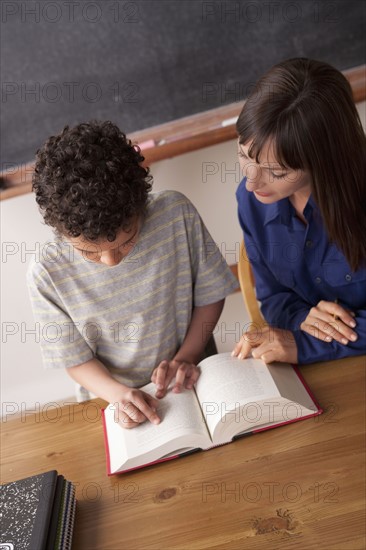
{"type": "Point", "coordinates": [268, 180]}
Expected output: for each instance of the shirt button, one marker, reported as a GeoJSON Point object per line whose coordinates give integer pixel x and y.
{"type": "Point", "coordinates": [318, 280]}
{"type": "Point", "coordinates": [348, 277]}
{"type": "Point", "coordinates": [309, 244]}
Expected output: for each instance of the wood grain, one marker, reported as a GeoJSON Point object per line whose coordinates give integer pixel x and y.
{"type": "Point", "coordinates": [298, 486]}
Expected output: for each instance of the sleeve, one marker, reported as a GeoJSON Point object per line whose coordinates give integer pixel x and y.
{"type": "Point", "coordinates": [280, 306]}
{"type": "Point", "coordinates": [62, 345]}
{"type": "Point", "coordinates": [212, 277]}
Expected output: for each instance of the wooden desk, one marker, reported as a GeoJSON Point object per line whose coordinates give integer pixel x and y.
{"type": "Point", "coordinates": [299, 486]}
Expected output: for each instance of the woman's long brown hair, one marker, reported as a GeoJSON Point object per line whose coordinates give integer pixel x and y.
{"type": "Point", "coordinates": [306, 108]}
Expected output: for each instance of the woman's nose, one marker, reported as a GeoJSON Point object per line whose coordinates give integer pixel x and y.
{"type": "Point", "coordinates": [253, 175]}
{"type": "Point", "coordinates": [252, 184]}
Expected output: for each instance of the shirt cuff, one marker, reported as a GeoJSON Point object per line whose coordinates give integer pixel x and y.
{"type": "Point", "coordinates": [311, 349]}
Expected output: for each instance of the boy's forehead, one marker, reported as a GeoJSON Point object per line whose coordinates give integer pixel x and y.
{"type": "Point", "coordinates": [123, 236]}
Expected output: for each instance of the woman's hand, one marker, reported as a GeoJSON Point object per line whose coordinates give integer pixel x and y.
{"type": "Point", "coordinates": [186, 375]}
{"type": "Point", "coordinates": [269, 344]}
{"type": "Point", "coordinates": [133, 407]}
{"type": "Point", "coordinates": [329, 321]}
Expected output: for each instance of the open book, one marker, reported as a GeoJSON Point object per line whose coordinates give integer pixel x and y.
{"type": "Point", "coordinates": [232, 398]}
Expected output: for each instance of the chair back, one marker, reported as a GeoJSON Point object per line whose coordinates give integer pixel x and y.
{"type": "Point", "coordinates": [247, 286]}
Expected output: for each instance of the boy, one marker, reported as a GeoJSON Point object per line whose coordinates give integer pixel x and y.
{"type": "Point", "coordinates": [135, 285]}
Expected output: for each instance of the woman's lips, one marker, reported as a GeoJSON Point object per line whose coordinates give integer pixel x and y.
{"type": "Point", "coordinates": [262, 194]}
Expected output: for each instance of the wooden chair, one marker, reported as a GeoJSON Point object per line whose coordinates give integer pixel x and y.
{"type": "Point", "coordinates": [247, 286]}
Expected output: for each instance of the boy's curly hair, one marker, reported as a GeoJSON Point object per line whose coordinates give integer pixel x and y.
{"type": "Point", "coordinates": [88, 181]}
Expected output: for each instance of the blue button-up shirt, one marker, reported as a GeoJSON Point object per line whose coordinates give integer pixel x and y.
{"type": "Point", "coordinates": [295, 266]}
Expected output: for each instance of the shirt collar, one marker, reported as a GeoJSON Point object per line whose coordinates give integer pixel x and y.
{"type": "Point", "coordinates": [284, 211]}
{"type": "Point", "coordinates": [278, 210]}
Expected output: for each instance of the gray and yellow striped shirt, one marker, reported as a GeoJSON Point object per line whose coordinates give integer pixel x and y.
{"type": "Point", "coordinates": [133, 315]}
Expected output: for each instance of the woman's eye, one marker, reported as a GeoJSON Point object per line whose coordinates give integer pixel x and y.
{"type": "Point", "coordinates": [278, 176]}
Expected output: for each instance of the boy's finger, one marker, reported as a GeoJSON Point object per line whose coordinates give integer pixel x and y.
{"type": "Point", "coordinates": [160, 374]}
{"type": "Point", "coordinates": [126, 422]}
{"type": "Point", "coordinates": [145, 408]}
{"type": "Point", "coordinates": [193, 377]}
{"type": "Point", "coordinates": [180, 377]}
{"type": "Point", "coordinates": [153, 403]}
{"type": "Point", "coordinates": [133, 412]}
{"type": "Point", "coordinates": [163, 386]}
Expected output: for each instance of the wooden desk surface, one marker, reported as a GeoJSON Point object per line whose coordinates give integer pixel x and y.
{"type": "Point", "coordinates": [299, 486]}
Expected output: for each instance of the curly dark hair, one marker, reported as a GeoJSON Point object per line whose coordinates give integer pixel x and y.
{"type": "Point", "coordinates": [89, 181]}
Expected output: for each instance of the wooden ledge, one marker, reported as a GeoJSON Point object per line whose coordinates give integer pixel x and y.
{"type": "Point", "coordinates": [176, 137]}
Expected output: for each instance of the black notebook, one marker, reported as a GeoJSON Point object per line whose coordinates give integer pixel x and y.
{"type": "Point", "coordinates": [37, 513]}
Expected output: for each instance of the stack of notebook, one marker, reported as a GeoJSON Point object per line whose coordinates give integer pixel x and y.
{"type": "Point", "coordinates": [37, 513]}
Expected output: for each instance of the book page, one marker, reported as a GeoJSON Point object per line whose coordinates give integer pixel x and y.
{"type": "Point", "coordinates": [182, 427]}
{"type": "Point", "coordinates": [180, 414]}
{"type": "Point", "coordinates": [238, 396]}
{"type": "Point", "coordinates": [226, 383]}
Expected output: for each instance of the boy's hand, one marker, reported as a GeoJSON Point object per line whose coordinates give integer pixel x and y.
{"type": "Point", "coordinates": [329, 321]}
{"type": "Point", "coordinates": [135, 407]}
{"type": "Point", "coordinates": [186, 375]}
{"type": "Point", "coordinates": [269, 344]}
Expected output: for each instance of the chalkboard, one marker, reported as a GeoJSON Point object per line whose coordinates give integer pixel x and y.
{"type": "Point", "coordinates": [143, 63]}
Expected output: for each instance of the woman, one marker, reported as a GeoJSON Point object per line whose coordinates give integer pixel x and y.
{"type": "Point", "coordinates": [302, 207]}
